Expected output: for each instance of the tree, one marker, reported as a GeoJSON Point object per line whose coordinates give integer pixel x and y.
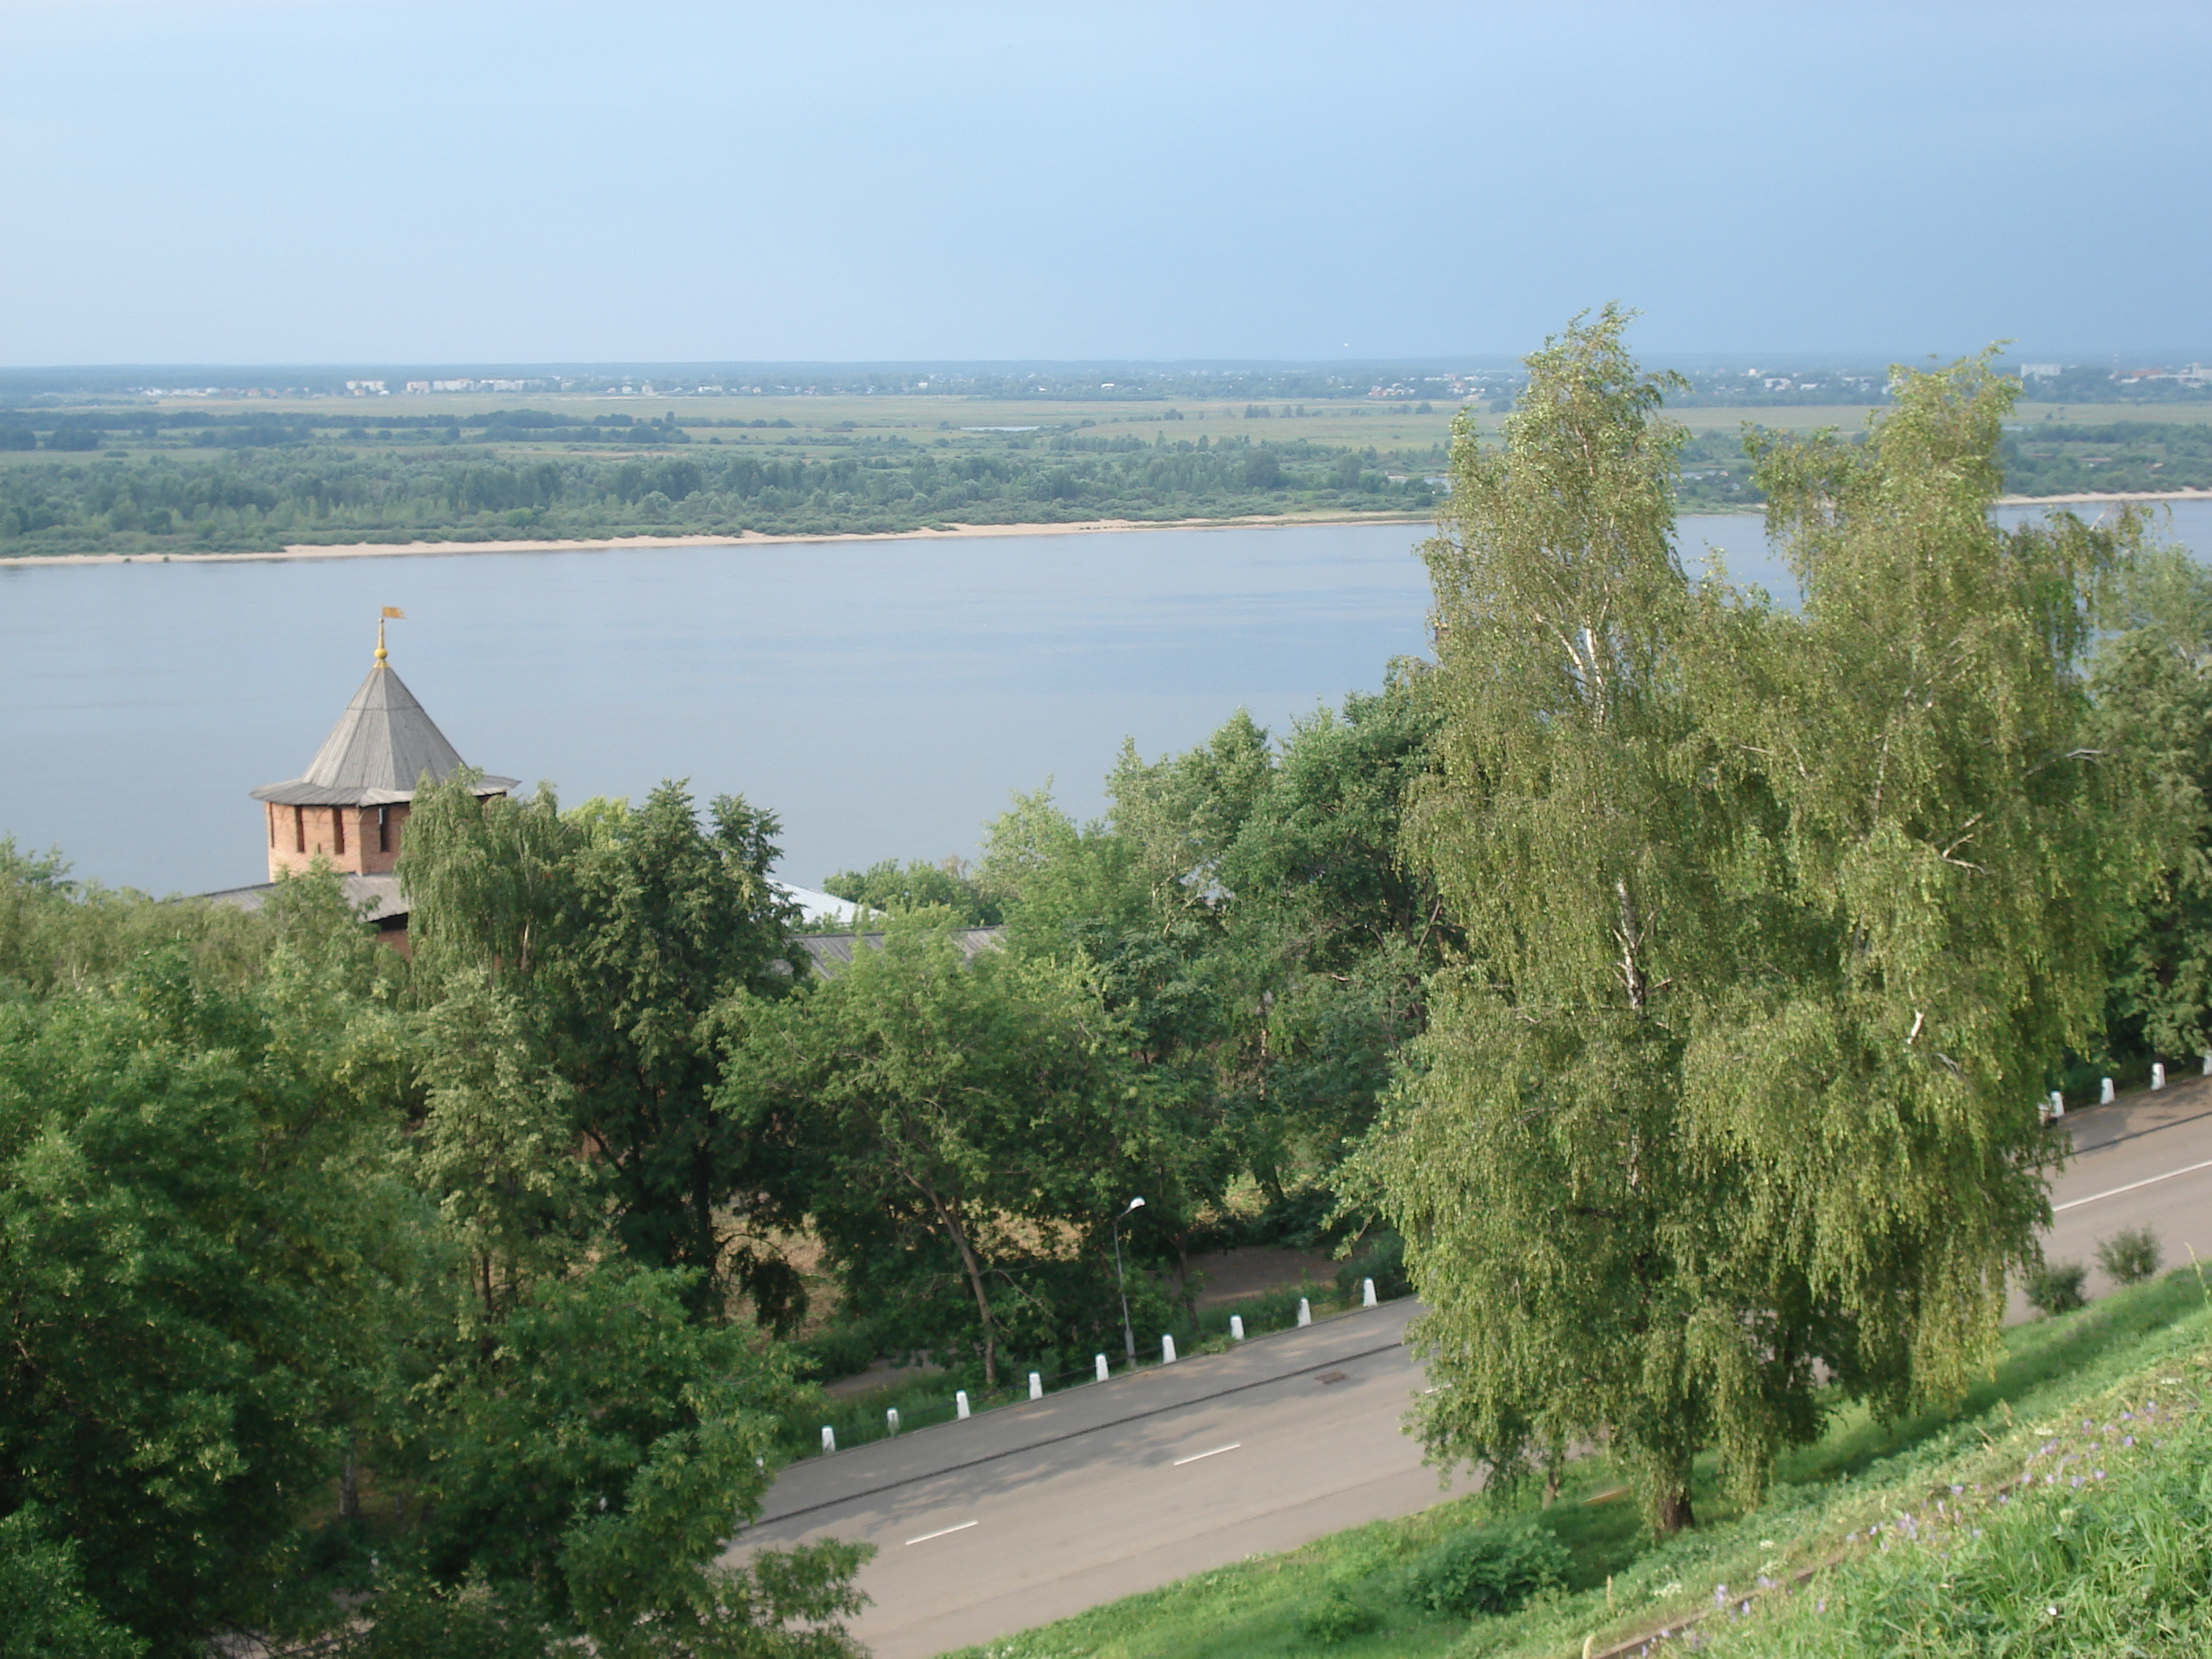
{"type": "Point", "coordinates": [966, 1119]}
{"type": "Point", "coordinates": [1335, 932]}
{"type": "Point", "coordinates": [44, 1612]}
{"type": "Point", "coordinates": [196, 1225]}
{"type": "Point", "coordinates": [1773, 922]}
{"type": "Point", "coordinates": [621, 933]}
{"type": "Point", "coordinates": [586, 1477]}
{"type": "Point", "coordinates": [1180, 814]}
{"type": "Point", "coordinates": [1134, 900]}
{"type": "Point", "coordinates": [888, 886]}
{"type": "Point", "coordinates": [2153, 689]}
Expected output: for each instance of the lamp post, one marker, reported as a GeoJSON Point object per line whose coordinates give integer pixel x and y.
{"type": "Point", "coordinates": [1121, 1283]}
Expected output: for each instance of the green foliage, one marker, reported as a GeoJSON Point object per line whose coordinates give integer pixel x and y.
{"type": "Point", "coordinates": [595, 1464]}
{"type": "Point", "coordinates": [56, 933]}
{"type": "Point", "coordinates": [1774, 921]}
{"type": "Point", "coordinates": [2109, 1558]}
{"type": "Point", "coordinates": [474, 1618]}
{"type": "Point", "coordinates": [2056, 1287]}
{"type": "Point", "coordinates": [1247, 913]}
{"type": "Point", "coordinates": [1380, 1257]}
{"type": "Point", "coordinates": [240, 1295]}
{"type": "Point", "coordinates": [2057, 458]}
{"type": "Point", "coordinates": [269, 483]}
{"type": "Point", "coordinates": [1334, 1616]}
{"type": "Point", "coordinates": [2130, 1256]}
{"type": "Point", "coordinates": [888, 886]}
{"type": "Point", "coordinates": [44, 1612]}
{"type": "Point", "coordinates": [608, 943]}
{"type": "Point", "coordinates": [2153, 683]}
{"type": "Point", "coordinates": [190, 1164]}
{"type": "Point", "coordinates": [1181, 815]}
{"type": "Point", "coordinates": [1487, 1571]}
{"type": "Point", "coordinates": [969, 1126]}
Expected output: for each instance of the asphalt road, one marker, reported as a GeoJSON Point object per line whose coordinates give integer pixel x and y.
{"type": "Point", "coordinates": [2144, 1162]}
{"type": "Point", "coordinates": [1039, 1510]}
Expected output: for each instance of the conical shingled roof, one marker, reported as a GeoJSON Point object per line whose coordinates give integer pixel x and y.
{"type": "Point", "coordinates": [382, 746]}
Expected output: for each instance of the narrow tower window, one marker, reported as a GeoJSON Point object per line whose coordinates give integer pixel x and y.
{"type": "Point", "coordinates": [384, 829]}
{"type": "Point", "coordinates": [338, 831]}
{"type": "Point", "coordinates": [300, 828]}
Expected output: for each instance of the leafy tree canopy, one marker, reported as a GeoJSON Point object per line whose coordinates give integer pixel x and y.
{"type": "Point", "coordinates": [1773, 923]}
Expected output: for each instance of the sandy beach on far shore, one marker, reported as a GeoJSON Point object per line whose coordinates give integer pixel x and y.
{"type": "Point", "coordinates": [748, 538]}
{"type": "Point", "coordinates": [2093, 496]}
{"type": "Point", "coordinates": [956, 532]}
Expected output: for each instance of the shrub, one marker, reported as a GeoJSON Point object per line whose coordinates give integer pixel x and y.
{"type": "Point", "coordinates": [2056, 1287]}
{"type": "Point", "coordinates": [2130, 1256]}
{"type": "Point", "coordinates": [1487, 1571]}
{"type": "Point", "coordinates": [1335, 1617]}
{"type": "Point", "coordinates": [1381, 1258]}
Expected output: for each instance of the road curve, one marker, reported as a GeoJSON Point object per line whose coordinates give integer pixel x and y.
{"type": "Point", "coordinates": [1039, 1510]}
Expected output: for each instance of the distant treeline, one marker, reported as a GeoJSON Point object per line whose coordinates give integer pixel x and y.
{"type": "Point", "coordinates": [2054, 458]}
{"type": "Point", "coordinates": [252, 498]}
{"type": "Point", "coordinates": [271, 480]}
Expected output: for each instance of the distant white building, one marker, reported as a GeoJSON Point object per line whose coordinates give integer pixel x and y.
{"type": "Point", "coordinates": [2041, 371]}
{"type": "Point", "coordinates": [418, 385]}
{"type": "Point", "coordinates": [367, 389]}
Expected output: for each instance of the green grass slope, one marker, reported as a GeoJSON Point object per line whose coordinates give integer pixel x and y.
{"type": "Point", "coordinates": [1918, 1537]}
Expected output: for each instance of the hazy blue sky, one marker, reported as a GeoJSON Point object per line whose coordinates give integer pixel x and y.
{"type": "Point", "coordinates": [328, 182]}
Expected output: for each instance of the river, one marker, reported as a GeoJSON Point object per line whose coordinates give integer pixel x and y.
{"type": "Point", "coordinates": [884, 698]}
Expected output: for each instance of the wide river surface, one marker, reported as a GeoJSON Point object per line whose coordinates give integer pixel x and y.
{"type": "Point", "coordinates": [884, 698]}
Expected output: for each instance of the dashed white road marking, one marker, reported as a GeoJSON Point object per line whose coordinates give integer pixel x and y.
{"type": "Point", "coordinates": [2149, 1180]}
{"type": "Point", "coordinates": [943, 1531]}
{"type": "Point", "coordinates": [1233, 1445]}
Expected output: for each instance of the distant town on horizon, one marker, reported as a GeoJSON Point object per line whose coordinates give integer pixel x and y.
{"type": "Point", "coordinates": [1713, 378]}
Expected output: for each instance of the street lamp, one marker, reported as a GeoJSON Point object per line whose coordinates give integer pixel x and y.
{"type": "Point", "coordinates": [1128, 1336]}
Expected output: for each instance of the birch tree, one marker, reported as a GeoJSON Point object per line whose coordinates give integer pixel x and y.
{"type": "Point", "coordinates": [1774, 922]}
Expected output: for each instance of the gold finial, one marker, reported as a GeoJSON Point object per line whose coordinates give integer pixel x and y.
{"type": "Point", "coordinates": [389, 611]}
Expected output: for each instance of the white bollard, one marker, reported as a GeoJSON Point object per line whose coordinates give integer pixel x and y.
{"type": "Point", "coordinates": [1305, 1311]}
{"type": "Point", "coordinates": [891, 1417]}
{"type": "Point", "coordinates": [829, 1439]}
{"type": "Point", "coordinates": [1037, 1386]}
{"type": "Point", "coordinates": [960, 1403]}
{"type": "Point", "coordinates": [2106, 1096]}
{"type": "Point", "coordinates": [1366, 1292]}
{"type": "Point", "coordinates": [1102, 1368]}
{"type": "Point", "coordinates": [2158, 1075]}
{"type": "Point", "coordinates": [1167, 1351]}
{"type": "Point", "coordinates": [2207, 1062]}
{"type": "Point", "coordinates": [1236, 1328]}
{"type": "Point", "coordinates": [2057, 1104]}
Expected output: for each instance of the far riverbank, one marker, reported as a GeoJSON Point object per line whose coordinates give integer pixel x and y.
{"type": "Point", "coordinates": [746, 538]}
{"type": "Point", "coordinates": [955, 533]}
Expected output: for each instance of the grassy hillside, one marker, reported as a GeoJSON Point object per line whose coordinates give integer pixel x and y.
{"type": "Point", "coordinates": [1921, 1536]}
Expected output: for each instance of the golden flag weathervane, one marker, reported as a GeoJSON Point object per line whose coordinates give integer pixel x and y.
{"type": "Point", "coordinates": [397, 614]}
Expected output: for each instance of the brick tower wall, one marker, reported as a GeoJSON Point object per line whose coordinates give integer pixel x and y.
{"type": "Point", "coordinates": [361, 840]}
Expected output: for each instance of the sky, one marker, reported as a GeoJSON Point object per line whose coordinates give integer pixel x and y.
{"type": "Point", "coordinates": [268, 183]}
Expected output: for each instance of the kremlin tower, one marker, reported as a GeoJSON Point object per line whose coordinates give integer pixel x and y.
{"type": "Point", "coordinates": [349, 806]}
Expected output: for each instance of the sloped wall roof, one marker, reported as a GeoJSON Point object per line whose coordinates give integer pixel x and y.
{"type": "Point", "coordinates": [382, 746]}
